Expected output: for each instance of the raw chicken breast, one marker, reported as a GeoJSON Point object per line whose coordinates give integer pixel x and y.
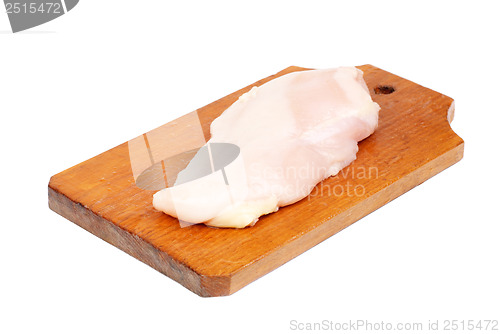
{"type": "Point", "coordinates": [292, 133]}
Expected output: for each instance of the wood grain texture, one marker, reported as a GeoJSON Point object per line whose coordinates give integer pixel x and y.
{"type": "Point", "coordinates": [413, 142]}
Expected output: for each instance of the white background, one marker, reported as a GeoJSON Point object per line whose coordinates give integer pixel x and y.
{"type": "Point", "coordinates": [110, 70]}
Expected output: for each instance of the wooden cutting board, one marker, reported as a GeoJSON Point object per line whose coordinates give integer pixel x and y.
{"type": "Point", "coordinates": [413, 142]}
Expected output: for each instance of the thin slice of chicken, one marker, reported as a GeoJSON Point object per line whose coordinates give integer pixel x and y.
{"type": "Point", "coordinates": [292, 133]}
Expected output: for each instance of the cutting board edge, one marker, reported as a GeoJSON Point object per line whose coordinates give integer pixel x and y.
{"type": "Point", "coordinates": [144, 251]}
{"type": "Point", "coordinates": [211, 286]}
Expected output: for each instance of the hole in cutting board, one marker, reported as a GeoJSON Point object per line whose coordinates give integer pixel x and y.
{"type": "Point", "coordinates": [384, 89]}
